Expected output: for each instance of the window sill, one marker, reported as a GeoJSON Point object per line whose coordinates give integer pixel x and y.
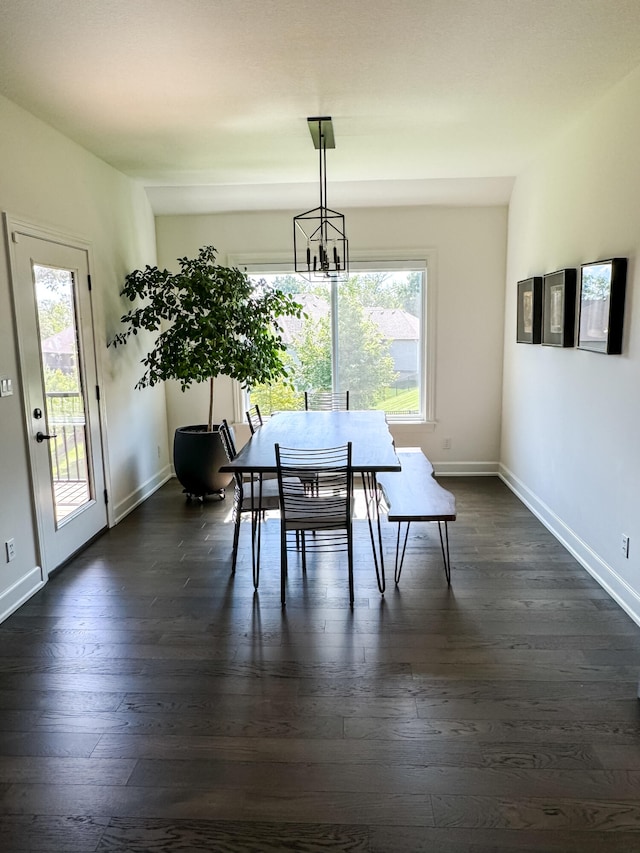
{"type": "Point", "coordinates": [425, 426]}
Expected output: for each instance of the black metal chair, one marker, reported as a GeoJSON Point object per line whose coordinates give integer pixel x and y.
{"type": "Point", "coordinates": [262, 497]}
{"type": "Point", "coordinates": [326, 401]}
{"type": "Point", "coordinates": [254, 418]}
{"type": "Point", "coordinates": [325, 510]}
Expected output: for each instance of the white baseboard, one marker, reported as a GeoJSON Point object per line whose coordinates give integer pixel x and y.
{"type": "Point", "coordinates": [465, 469]}
{"type": "Point", "coordinates": [137, 496]}
{"type": "Point", "coordinates": [601, 571]}
{"type": "Point", "coordinates": [21, 591]}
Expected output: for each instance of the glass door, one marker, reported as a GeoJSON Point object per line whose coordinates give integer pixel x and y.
{"type": "Point", "coordinates": [52, 299]}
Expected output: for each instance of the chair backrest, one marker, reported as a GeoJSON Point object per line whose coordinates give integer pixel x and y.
{"type": "Point", "coordinates": [229, 445]}
{"type": "Point", "coordinates": [326, 401]}
{"type": "Point", "coordinates": [228, 442]}
{"type": "Point", "coordinates": [315, 487]}
{"type": "Point", "coordinates": [254, 418]}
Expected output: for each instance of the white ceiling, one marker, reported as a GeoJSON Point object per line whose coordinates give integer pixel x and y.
{"type": "Point", "coordinates": [205, 101]}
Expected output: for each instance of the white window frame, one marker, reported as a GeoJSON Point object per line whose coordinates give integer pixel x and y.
{"type": "Point", "coordinates": [376, 260]}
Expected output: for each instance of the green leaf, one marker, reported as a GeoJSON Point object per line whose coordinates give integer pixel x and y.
{"type": "Point", "coordinates": [210, 320]}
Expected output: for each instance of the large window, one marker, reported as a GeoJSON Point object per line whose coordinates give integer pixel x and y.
{"type": "Point", "coordinates": [365, 335]}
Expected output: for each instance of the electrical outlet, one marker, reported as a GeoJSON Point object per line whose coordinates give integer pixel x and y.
{"type": "Point", "coordinates": [158, 451]}
{"type": "Point", "coordinates": [624, 545]}
{"type": "Point", "coordinates": [446, 444]}
{"type": "Point", "coordinates": [10, 547]}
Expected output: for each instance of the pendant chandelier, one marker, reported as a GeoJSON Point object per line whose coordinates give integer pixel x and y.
{"type": "Point", "coordinates": [320, 245]}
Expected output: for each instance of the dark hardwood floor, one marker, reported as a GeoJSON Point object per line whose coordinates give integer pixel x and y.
{"type": "Point", "coordinates": [151, 702]}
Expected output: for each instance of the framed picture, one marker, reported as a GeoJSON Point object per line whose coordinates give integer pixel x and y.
{"type": "Point", "coordinates": [559, 308]}
{"type": "Point", "coordinates": [529, 319]}
{"type": "Point", "coordinates": [602, 291]}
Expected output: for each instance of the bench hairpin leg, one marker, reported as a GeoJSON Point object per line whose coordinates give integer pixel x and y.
{"type": "Point", "coordinates": [444, 544]}
{"type": "Point", "coordinates": [399, 556]}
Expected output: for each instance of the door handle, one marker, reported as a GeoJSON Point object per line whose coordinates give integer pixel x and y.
{"type": "Point", "coordinates": [40, 437]}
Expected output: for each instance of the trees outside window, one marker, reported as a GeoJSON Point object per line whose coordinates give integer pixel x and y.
{"type": "Point", "coordinates": [370, 344]}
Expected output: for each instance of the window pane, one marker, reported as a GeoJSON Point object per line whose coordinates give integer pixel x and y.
{"type": "Point", "coordinates": [287, 395]}
{"type": "Point", "coordinates": [378, 351]}
{"type": "Point", "coordinates": [372, 347]}
{"type": "Point", "coordinates": [63, 382]}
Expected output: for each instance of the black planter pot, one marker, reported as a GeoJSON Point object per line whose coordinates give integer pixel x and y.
{"type": "Point", "coordinates": [197, 457]}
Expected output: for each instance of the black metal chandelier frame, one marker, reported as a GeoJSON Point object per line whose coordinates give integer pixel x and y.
{"type": "Point", "coordinates": [320, 245]}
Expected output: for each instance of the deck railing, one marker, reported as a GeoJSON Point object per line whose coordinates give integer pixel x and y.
{"type": "Point", "coordinates": [66, 419]}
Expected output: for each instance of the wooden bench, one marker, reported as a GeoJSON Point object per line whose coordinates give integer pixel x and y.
{"type": "Point", "coordinates": [413, 494]}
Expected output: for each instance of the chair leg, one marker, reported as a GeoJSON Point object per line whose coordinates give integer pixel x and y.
{"type": "Point", "coordinates": [283, 562]}
{"type": "Point", "coordinates": [350, 566]}
{"type": "Point", "coordinates": [255, 550]}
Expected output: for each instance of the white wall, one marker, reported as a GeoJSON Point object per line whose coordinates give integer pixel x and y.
{"type": "Point", "coordinates": [469, 250]}
{"type": "Point", "coordinates": [50, 181]}
{"type": "Point", "coordinates": [570, 443]}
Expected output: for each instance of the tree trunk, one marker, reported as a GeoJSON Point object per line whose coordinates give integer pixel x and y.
{"type": "Point", "coordinates": [210, 421]}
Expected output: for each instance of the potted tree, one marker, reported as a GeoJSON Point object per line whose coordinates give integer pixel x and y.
{"type": "Point", "coordinates": [211, 320]}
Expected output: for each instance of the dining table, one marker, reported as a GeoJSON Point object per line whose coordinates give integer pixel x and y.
{"type": "Point", "coordinates": [372, 450]}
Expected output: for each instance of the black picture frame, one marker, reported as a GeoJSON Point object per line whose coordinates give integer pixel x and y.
{"type": "Point", "coordinates": [529, 313]}
{"type": "Point", "coordinates": [559, 308]}
{"type": "Point", "coordinates": [602, 293]}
